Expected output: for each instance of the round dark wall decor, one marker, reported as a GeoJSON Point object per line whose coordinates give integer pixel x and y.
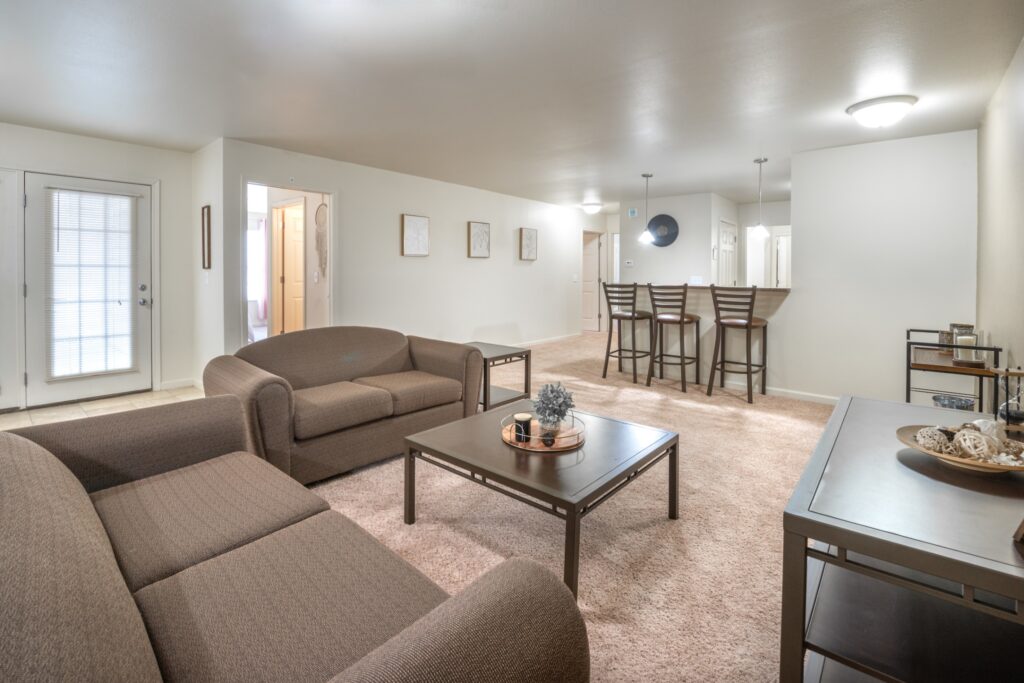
{"type": "Point", "coordinates": [664, 229]}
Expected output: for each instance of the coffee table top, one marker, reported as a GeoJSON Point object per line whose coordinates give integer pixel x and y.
{"type": "Point", "coordinates": [861, 477]}
{"type": "Point", "coordinates": [612, 447]}
{"type": "Point", "coordinates": [496, 351]}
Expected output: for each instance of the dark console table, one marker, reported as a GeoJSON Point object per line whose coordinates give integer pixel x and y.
{"type": "Point", "coordinates": [895, 566]}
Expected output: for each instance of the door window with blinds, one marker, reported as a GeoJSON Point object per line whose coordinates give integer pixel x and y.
{"type": "Point", "coordinates": [90, 312]}
{"type": "Point", "coordinates": [88, 306]}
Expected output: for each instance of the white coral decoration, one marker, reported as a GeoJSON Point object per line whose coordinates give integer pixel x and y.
{"type": "Point", "coordinates": [991, 428]}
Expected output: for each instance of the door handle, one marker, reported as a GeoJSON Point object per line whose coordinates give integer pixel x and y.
{"type": "Point", "coordinates": [143, 302]}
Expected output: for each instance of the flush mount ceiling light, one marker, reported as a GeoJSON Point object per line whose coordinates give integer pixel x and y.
{"type": "Point", "coordinates": [646, 236]}
{"type": "Point", "coordinates": [591, 207]}
{"type": "Point", "coordinates": [881, 111]}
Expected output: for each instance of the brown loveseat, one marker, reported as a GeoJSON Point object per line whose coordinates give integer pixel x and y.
{"type": "Point", "coordinates": [324, 401]}
{"type": "Point", "coordinates": [144, 546]}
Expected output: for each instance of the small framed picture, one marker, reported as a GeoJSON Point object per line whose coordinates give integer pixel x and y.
{"type": "Point", "coordinates": [479, 240]}
{"type": "Point", "coordinates": [415, 235]}
{"type": "Point", "coordinates": [527, 244]}
{"type": "Point", "coordinates": [204, 237]}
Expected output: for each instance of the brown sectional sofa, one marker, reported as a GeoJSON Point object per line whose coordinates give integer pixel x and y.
{"type": "Point", "coordinates": [324, 401]}
{"type": "Point", "coordinates": [146, 546]}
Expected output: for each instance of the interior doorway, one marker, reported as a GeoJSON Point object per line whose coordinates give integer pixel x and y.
{"type": "Point", "coordinates": [728, 254]}
{"type": "Point", "coordinates": [287, 256]}
{"type": "Point", "coordinates": [591, 281]}
{"type": "Point", "coordinates": [288, 265]}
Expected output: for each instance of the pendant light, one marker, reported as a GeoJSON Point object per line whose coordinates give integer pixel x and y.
{"type": "Point", "coordinates": [759, 229]}
{"type": "Point", "coordinates": [646, 237]}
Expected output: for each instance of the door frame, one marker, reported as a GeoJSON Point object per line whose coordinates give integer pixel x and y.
{"type": "Point", "coordinates": [243, 225]}
{"type": "Point", "coordinates": [153, 283]}
{"type": "Point", "coordinates": [155, 286]}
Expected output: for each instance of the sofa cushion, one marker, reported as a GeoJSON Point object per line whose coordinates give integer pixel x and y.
{"type": "Point", "coordinates": [163, 524]}
{"type": "Point", "coordinates": [301, 604]}
{"type": "Point", "coordinates": [309, 358]}
{"type": "Point", "coordinates": [415, 390]}
{"type": "Point", "coordinates": [331, 407]}
{"type": "Point", "coordinates": [66, 611]}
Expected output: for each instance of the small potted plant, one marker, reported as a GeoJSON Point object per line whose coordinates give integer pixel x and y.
{"type": "Point", "coordinates": [552, 405]}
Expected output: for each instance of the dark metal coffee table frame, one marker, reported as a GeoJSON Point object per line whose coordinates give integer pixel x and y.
{"type": "Point", "coordinates": [570, 511]}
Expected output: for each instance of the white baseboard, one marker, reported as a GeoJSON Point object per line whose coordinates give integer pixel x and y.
{"type": "Point", "coordinates": [786, 393]}
{"type": "Point", "coordinates": [535, 342]}
{"type": "Point", "coordinates": [176, 384]}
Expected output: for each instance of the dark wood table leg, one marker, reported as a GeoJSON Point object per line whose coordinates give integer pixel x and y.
{"type": "Point", "coordinates": [487, 386]}
{"type": "Point", "coordinates": [673, 481]}
{"type": "Point", "coordinates": [410, 486]}
{"type": "Point", "coordinates": [527, 382]}
{"type": "Point", "coordinates": [571, 573]}
{"type": "Point", "coordinates": [794, 595]}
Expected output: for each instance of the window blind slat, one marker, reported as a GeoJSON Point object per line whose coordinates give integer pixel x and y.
{"type": "Point", "coordinates": [90, 273]}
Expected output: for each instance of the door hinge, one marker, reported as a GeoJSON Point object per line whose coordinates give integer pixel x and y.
{"type": "Point", "coordinates": [26, 379]}
{"type": "Point", "coordinates": [24, 289]}
{"type": "Point", "coordinates": [24, 201]}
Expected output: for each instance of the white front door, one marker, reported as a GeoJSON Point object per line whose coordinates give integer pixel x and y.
{"type": "Point", "coordinates": [88, 321]}
{"type": "Point", "coordinates": [591, 281]}
{"type": "Point", "coordinates": [727, 254]}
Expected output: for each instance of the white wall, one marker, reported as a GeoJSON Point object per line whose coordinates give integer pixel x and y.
{"type": "Point", "coordinates": [688, 256]}
{"type": "Point", "coordinates": [34, 149]}
{"type": "Point", "coordinates": [775, 213]}
{"type": "Point", "coordinates": [208, 304]}
{"type": "Point", "coordinates": [1001, 214]}
{"type": "Point", "coordinates": [884, 238]}
{"type": "Point", "coordinates": [445, 295]}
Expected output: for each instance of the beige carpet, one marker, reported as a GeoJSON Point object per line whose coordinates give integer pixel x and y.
{"type": "Point", "coordinates": [695, 599]}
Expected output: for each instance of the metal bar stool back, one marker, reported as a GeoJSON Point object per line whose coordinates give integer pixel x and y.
{"type": "Point", "coordinates": [734, 309]}
{"type": "Point", "coordinates": [621, 300]}
{"type": "Point", "coordinates": [668, 303]}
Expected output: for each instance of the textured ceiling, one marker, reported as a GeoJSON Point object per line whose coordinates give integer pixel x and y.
{"type": "Point", "coordinates": [559, 100]}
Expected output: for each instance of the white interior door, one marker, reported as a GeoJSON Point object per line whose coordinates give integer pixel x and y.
{"type": "Point", "coordinates": [591, 281]}
{"type": "Point", "coordinates": [727, 254]}
{"type": "Point", "coordinates": [88, 321]}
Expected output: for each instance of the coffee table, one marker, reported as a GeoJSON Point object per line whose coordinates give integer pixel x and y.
{"type": "Point", "coordinates": [567, 485]}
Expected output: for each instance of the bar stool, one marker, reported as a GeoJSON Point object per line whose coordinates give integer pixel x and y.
{"type": "Point", "coordinates": [669, 305]}
{"type": "Point", "coordinates": [623, 298]}
{"type": "Point", "coordinates": [734, 309]}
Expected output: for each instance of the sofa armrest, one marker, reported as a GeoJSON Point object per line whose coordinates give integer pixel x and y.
{"type": "Point", "coordinates": [266, 405]}
{"type": "Point", "coordinates": [458, 361]}
{"type": "Point", "coordinates": [518, 622]}
{"type": "Point", "coordinates": [108, 450]}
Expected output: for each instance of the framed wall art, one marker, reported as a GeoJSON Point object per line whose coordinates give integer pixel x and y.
{"type": "Point", "coordinates": [415, 235]}
{"type": "Point", "coordinates": [204, 237]}
{"type": "Point", "coordinates": [479, 239]}
{"type": "Point", "coordinates": [527, 244]}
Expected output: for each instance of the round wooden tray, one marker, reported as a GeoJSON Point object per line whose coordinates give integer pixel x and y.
{"type": "Point", "coordinates": [907, 434]}
{"type": "Point", "coordinates": [569, 437]}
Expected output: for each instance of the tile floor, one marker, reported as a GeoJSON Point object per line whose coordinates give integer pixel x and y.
{"type": "Point", "coordinates": [115, 404]}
